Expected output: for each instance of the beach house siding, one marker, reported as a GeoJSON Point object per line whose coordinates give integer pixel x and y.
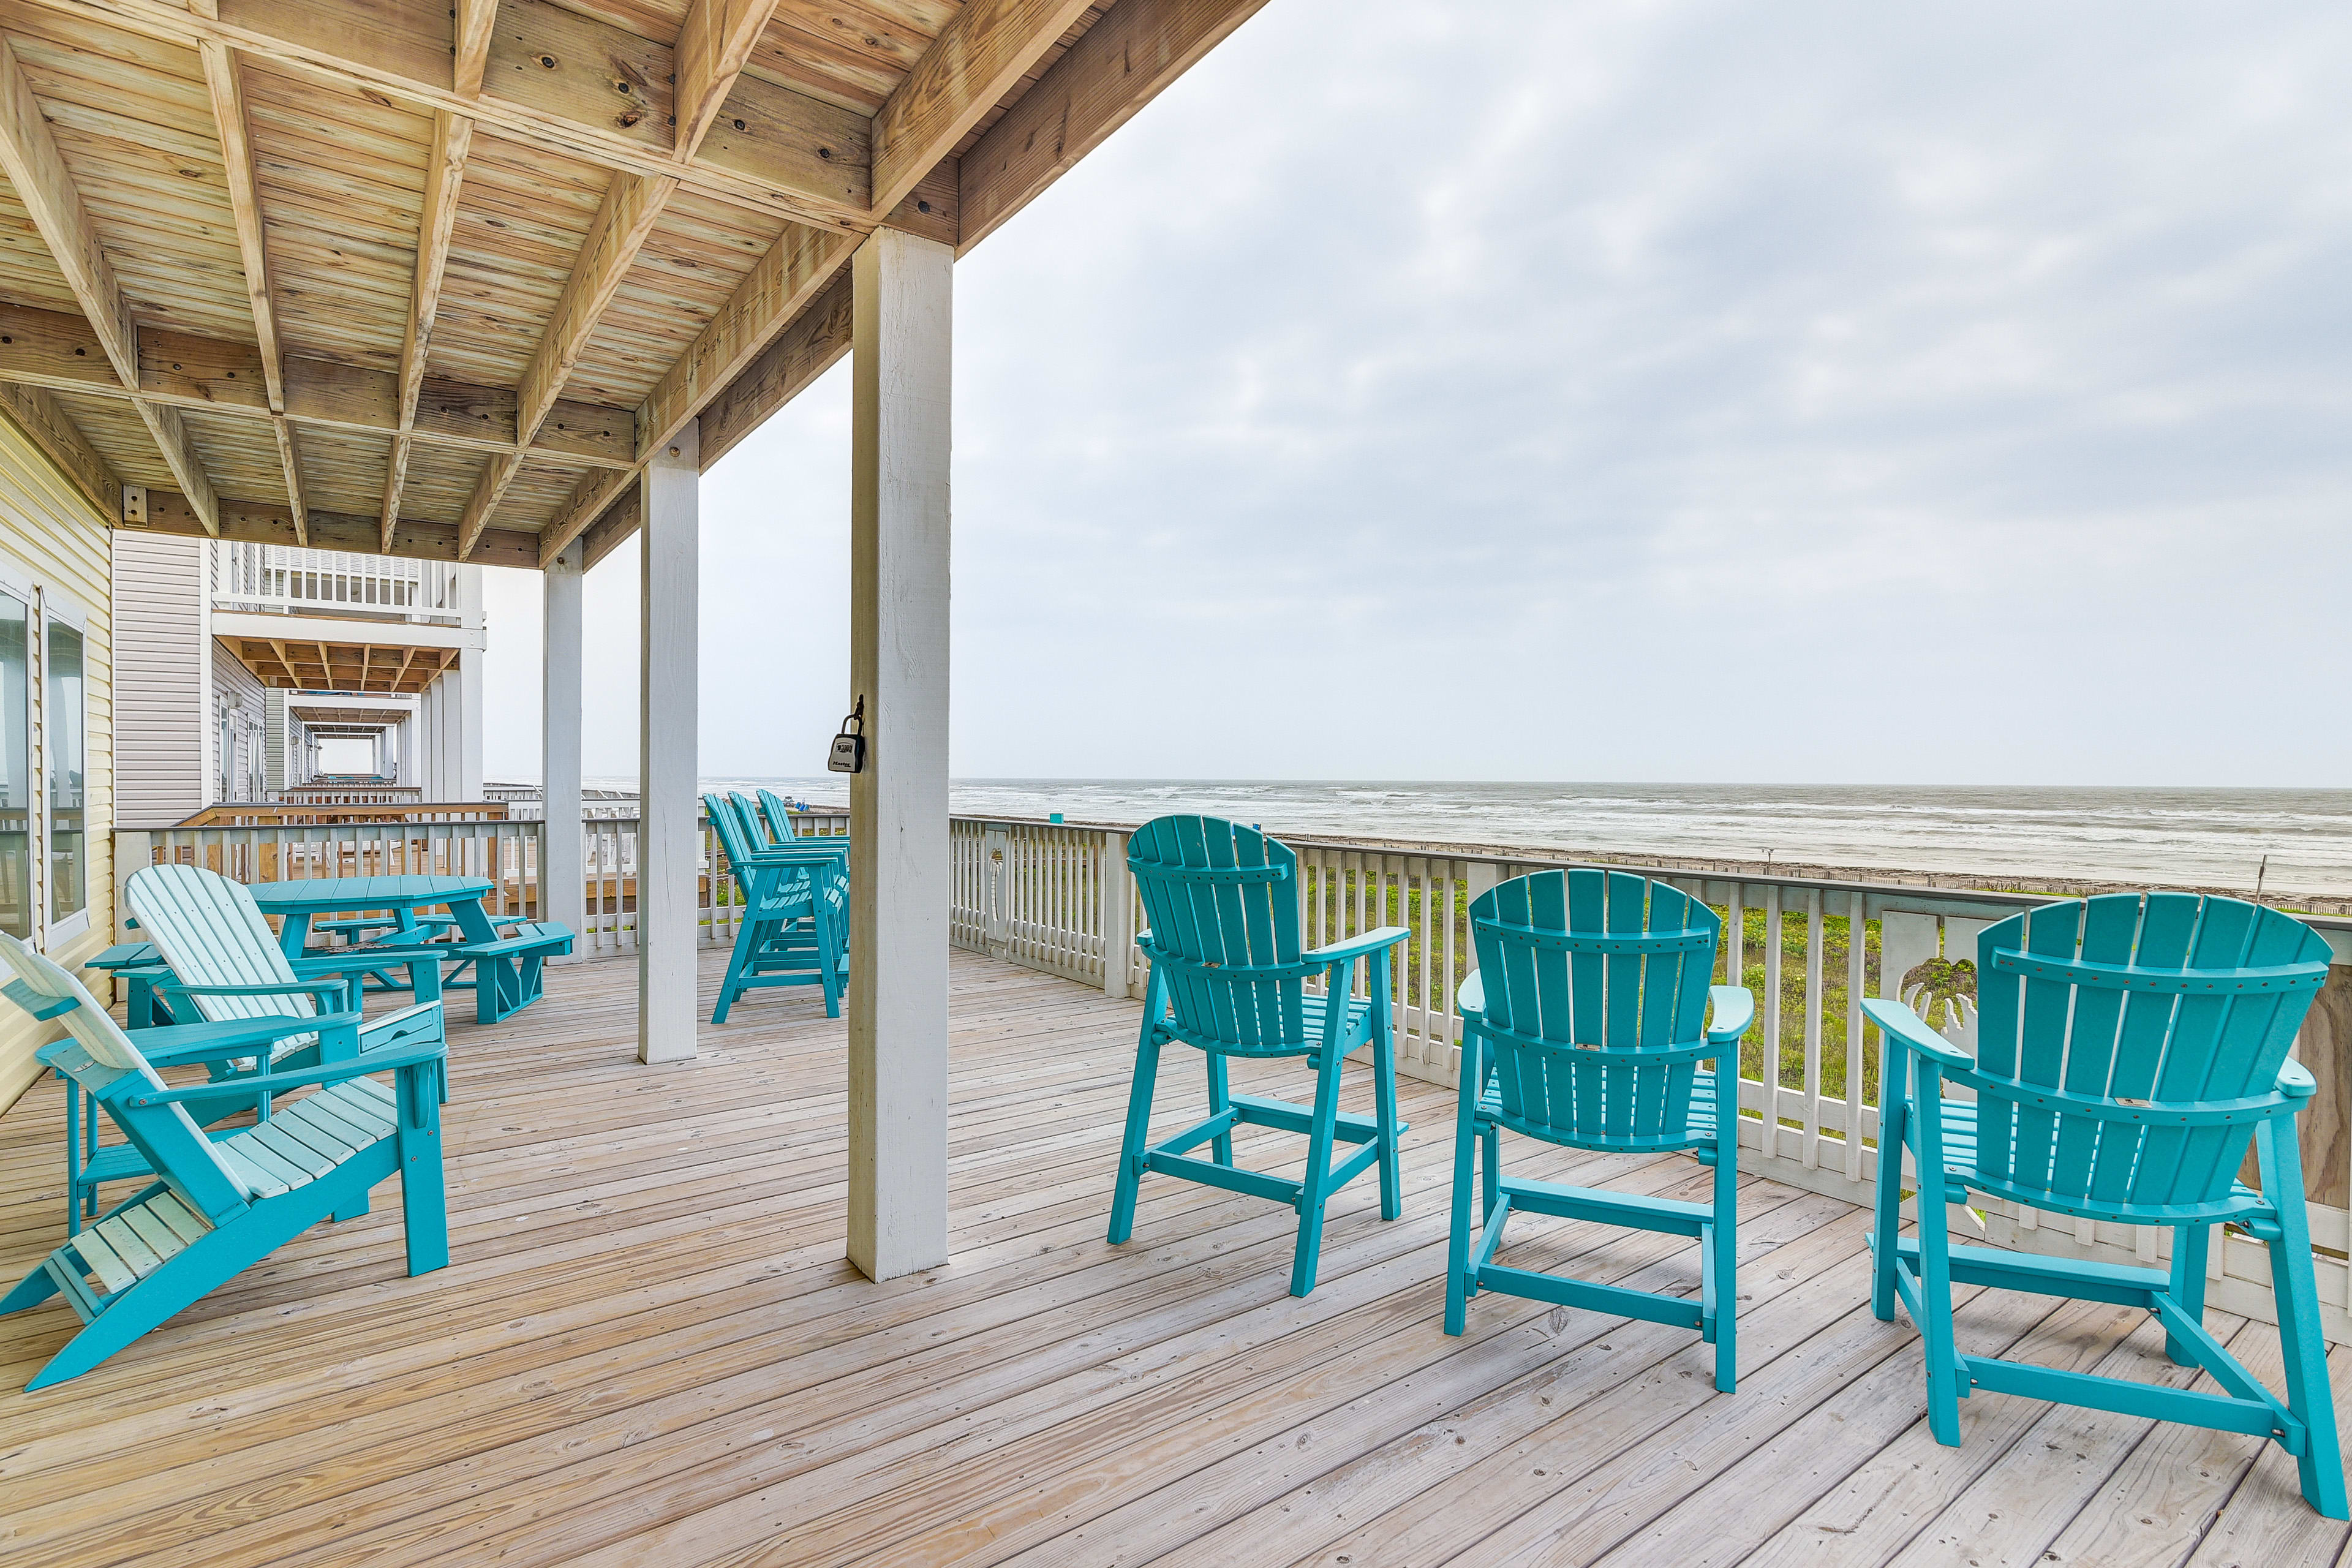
{"type": "Point", "coordinates": [240, 729]}
{"type": "Point", "coordinates": [162, 756]}
{"type": "Point", "coordinates": [55, 547]}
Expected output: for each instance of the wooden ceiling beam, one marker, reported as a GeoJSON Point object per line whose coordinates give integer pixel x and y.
{"type": "Point", "coordinates": [35, 412]}
{"type": "Point", "coordinates": [212, 376]}
{"type": "Point", "coordinates": [588, 501]}
{"type": "Point", "coordinates": [291, 458]}
{"type": "Point", "coordinates": [1120, 64]}
{"type": "Point", "coordinates": [267, 524]}
{"type": "Point", "coordinates": [795, 156]}
{"type": "Point", "coordinates": [228, 94]}
{"type": "Point", "coordinates": [812, 345]}
{"type": "Point", "coordinates": [29, 156]}
{"type": "Point", "coordinates": [989, 46]}
{"type": "Point", "coordinates": [444, 171]}
{"type": "Point", "coordinates": [713, 45]}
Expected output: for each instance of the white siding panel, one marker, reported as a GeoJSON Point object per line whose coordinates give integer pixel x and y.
{"type": "Point", "coordinates": [159, 672]}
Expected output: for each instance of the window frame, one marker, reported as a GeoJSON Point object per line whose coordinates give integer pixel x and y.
{"type": "Point", "coordinates": [22, 591]}
{"type": "Point", "coordinates": [60, 607]}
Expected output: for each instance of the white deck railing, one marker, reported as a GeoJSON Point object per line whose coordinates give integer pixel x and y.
{"type": "Point", "coordinates": [1058, 898]}
{"type": "Point", "coordinates": [282, 577]}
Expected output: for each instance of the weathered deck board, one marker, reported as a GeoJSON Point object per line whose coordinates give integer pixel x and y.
{"type": "Point", "coordinates": [647, 1349]}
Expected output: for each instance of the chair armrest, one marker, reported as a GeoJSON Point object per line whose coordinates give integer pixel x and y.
{"type": "Point", "coordinates": [279, 1083]}
{"type": "Point", "coordinates": [1470, 997]}
{"type": "Point", "coordinates": [2295, 1081]}
{"type": "Point", "coordinates": [338, 987]}
{"type": "Point", "coordinates": [1734, 1008]}
{"type": "Point", "coordinates": [1355, 947]}
{"type": "Point", "coordinates": [182, 1045]}
{"type": "Point", "coordinates": [1907, 1029]}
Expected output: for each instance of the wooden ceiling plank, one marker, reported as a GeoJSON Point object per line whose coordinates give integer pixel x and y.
{"type": "Point", "coordinates": [45, 422]}
{"type": "Point", "coordinates": [29, 156]}
{"type": "Point", "coordinates": [967, 70]}
{"type": "Point", "coordinates": [1120, 64]}
{"type": "Point", "coordinates": [383, 50]}
{"type": "Point", "coordinates": [713, 47]}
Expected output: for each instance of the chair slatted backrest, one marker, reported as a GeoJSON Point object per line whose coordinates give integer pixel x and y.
{"type": "Point", "coordinates": [740, 837]}
{"type": "Point", "coordinates": [175, 1147]}
{"type": "Point", "coordinates": [779, 812]}
{"type": "Point", "coordinates": [1220, 902]}
{"type": "Point", "coordinates": [1596, 988]}
{"type": "Point", "coordinates": [2127, 1004]}
{"type": "Point", "coordinates": [211, 932]}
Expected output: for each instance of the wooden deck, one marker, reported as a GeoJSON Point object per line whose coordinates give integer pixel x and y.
{"type": "Point", "coordinates": [648, 1350]}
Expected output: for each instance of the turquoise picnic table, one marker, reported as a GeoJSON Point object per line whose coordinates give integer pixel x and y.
{"type": "Point", "coordinates": [507, 971]}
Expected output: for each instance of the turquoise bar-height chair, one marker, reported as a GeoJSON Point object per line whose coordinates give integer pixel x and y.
{"type": "Point", "coordinates": [1228, 979]}
{"type": "Point", "coordinates": [1585, 1026]}
{"type": "Point", "coordinates": [793, 926]}
{"type": "Point", "coordinates": [2128, 1048]}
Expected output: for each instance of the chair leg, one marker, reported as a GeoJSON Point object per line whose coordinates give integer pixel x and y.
{"type": "Point", "coordinates": [2301, 1346]}
{"type": "Point", "coordinates": [1316, 1187]}
{"type": "Point", "coordinates": [31, 1291]}
{"type": "Point", "coordinates": [1139, 1130]}
{"type": "Point", "coordinates": [1887, 1220]}
{"type": "Point", "coordinates": [1936, 1270]}
{"type": "Point", "coordinates": [730, 985]}
{"type": "Point", "coordinates": [2188, 1292]}
{"type": "Point", "coordinates": [1490, 1172]}
{"type": "Point", "coordinates": [1220, 1098]}
{"type": "Point", "coordinates": [1465, 1157]}
{"type": "Point", "coordinates": [1726, 1239]}
{"type": "Point", "coordinates": [424, 1201]}
{"type": "Point", "coordinates": [1384, 1101]}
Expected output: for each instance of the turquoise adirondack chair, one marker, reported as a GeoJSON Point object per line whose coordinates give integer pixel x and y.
{"type": "Point", "coordinates": [328, 1134]}
{"type": "Point", "coordinates": [1584, 1025]}
{"type": "Point", "coordinates": [1228, 978]}
{"type": "Point", "coordinates": [793, 928]}
{"type": "Point", "coordinates": [226, 964]}
{"type": "Point", "coordinates": [2128, 1046]}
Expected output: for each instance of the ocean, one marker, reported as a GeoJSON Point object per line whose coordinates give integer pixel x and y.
{"type": "Point", "coordinates": [2176, 837]}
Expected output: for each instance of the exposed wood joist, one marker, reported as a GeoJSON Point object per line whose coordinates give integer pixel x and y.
{"type": "Point", "coordinates": [812, 345]}
{"type": "Point", "coordinates": [52, 348]}
{"type": "Point", "coordinates": [445, 172]}
{"type": "Point", "coordinates": [794, 155]}
{"type": "Point", "coordinates": [612, 528]}
{"type": "Point", "coordinates": [590, 500]}
{"type": "Point", "coordinates": [713, 45]}
{"type": "Point", "coordinates": [29, 156]}
{"type": "Point", "coordinates": [984, 50]}
{"type": "Point", "coordinates": [35, 412]}
{"type": "Point", "coordinates": [470, 52]}
{"type": "Point", "coordinates": [291, 457]}
{"type": "Point", "coordinates": [265, 523]}
{"type": "Point", "coordinates": [1120, 64]}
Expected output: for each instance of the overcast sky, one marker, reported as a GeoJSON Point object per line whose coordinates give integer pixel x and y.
{"type": "Point", "coordinates": [1562, 390]}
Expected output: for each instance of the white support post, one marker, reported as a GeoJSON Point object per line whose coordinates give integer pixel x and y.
{"type": "Point", "coordinates": [1118, 913]}
{"type": "Point", "coordinates": [669, 847]}
{"type": "Point", "coordinates": [899, 873]}
{"type": "Point", "coordinates": [563, 865]}
{"type": "Point", "coordinates": [468, 740]}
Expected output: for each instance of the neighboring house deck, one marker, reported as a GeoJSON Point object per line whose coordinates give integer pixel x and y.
{"type": "Point", "coordinates": [648, 1349]}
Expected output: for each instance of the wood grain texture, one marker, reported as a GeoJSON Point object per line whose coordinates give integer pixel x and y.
{"type": "Point", "coordinates": [1122, 63]}
{"type": "Point", "coordinates": [713, 45]}
{"type": "Point", "coordinates": [967, 68]}
{"type": "Point", "coordinates": [812, 345]}
{"type": "Point", "coordinates": [44, 421]}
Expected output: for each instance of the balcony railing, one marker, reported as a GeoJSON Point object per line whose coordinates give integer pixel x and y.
{"type": "Point", "coordinates": [279, 578]}
{"type": "Point", "coordinates": [1057, 898]}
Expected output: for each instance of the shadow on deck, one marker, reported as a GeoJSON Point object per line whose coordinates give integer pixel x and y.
{"type": "Point", "coordinates": [648, 1350]}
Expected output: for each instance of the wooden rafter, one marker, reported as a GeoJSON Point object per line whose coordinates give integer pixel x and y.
{"type": "Point", "coordinates": [53, 349]}
{"type": "Point", "coordinates": [588, 501]}
{"type": "Point", "coordinates": [291, 457]}
{"type": "Point", "coordinates": [470, 54]}
{"type": "Point", "coordinates": [1121, 63]}
{"type": "Point", "coordinates": [228, 94]}
{"type": "Point", "coordinates": [713, 45]}
{"type": "Point", "coordinates": [444, 171]}
{"type": "Point", "coordinates": [798, 157]}
{"type": "Point", "coordinates": [29, 156]}
{"type": "Point", "coordinates": [35, 412]}
{"type": "Point", "coordinates": [981, 52]}
{"type": "Point", "coordinates": [812, 345]}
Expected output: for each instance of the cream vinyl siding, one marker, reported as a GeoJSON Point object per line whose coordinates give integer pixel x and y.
{"type": "Point", "coordinates": [51, 537]}
{"type": "Point", "coordinates": [159, 614]}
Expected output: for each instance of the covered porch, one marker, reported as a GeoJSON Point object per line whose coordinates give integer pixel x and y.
{"type": "Point", "coordinates": [648, 1348]}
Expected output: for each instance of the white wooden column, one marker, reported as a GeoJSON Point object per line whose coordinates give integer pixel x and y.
{"type": "Point", "coordinates": [668, 845]}
{"type": "Point", "coordinates": [562, 869]}
{"type": "Point", "coordinates": [899, 885]}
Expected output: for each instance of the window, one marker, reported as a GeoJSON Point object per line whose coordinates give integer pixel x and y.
{"type": "Point", "coordinates": [65, 726]}
{"type": "Point", "coordinates": [17, 892]}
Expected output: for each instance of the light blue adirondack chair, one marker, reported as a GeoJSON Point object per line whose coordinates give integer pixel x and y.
{"type": "Point", "coordinates": [330, 1134]}
{"type": "Point", "coordinates": [1228, 978]}
{"type": "Point", "coordinates": [1585, 1025]}
{"type": "Point", "coordinates": [2128, 1048]}
{"type": "Point", "coordinates": [793, 927]}
{"type": "Point", "coordinates": [226, 964]}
